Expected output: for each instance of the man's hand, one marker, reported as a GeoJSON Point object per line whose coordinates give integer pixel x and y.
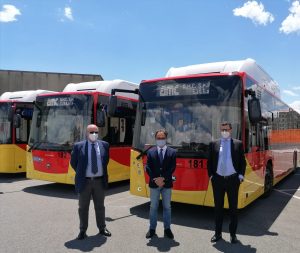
{"type": "Point", "coordinates": [159, 181]}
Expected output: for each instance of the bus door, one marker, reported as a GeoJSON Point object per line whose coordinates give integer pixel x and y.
{"type": "Point", "coordinates": [118, 131]}
{"type": "Point", "coordinates": [257, 154]}
{"type": "Point", "coordinates": [22, 121]}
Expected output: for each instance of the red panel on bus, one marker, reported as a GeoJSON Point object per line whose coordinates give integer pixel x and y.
{"type": "Point", "coordinates": [22, 146]}
{"type": "Point", "coordinates": [54, 162]}
{"type": "Point", "coordinates": [120, 155]}
{"type": "Point", "coordinates": [190, 175]}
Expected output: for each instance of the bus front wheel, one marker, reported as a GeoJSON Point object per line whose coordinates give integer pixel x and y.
{"type": "Point", "coordinates": [268, 186]}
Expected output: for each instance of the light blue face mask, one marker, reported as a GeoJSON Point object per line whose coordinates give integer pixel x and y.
{"type": "Point", "coordinates": [161, 143]}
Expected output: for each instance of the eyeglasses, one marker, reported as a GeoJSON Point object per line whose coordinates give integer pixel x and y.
{"type": "Point", "coordinates": [93, 132]}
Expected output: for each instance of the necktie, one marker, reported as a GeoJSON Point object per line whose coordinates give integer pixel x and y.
{"type": "Point", "coordinates": [161, 157]}
{"type": "Point", "coordinates": [224, 158]}
{"type": "Point", "coordinates": [94, 159]}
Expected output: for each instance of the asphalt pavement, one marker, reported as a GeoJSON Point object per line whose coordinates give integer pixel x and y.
{"type": "Point", "coordinates": [38, 216]}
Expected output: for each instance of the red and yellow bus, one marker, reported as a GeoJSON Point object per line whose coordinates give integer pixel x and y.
{"type": "Point", "coordinates": [60, 120]}
{"type": "Point", "coordinates": [191, 102]}
{"type": "Point", "coordinates": [15, 118]}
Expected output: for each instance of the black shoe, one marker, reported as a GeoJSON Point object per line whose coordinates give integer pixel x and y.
{"type": "Point", "coordinates": [150, 233]}
{"type": "Point", "coordinates": [216, 238]}
{"type": "Point", "coordinates": [82, 235]}
{"type": "Point", "coordinates": [169, 234]}
{"type": "Point", "coordinates": [105, 232]}
{"type": "Point", "coordinates": [233, 239]}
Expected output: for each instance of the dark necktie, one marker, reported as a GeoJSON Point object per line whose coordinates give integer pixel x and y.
{"type": "Point", "coordinates": [161, 157]}
{"type": "Point", "coordinates": [94, 159]}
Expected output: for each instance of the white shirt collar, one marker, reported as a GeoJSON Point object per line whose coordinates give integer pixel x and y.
{"type": "Point", "coordinates": [164, 148]}
{"type": "Point", "coordinates": [90, 143]}
{"type": "Point", "coordinates": [226, 139]}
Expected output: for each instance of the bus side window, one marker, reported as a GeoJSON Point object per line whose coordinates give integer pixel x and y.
{"type": "Point", "coordinates": [253, 137]}
{"type": "Point", "coordinates": [114, 130]}
{"type": "Point", "coordinates": [22, 132]}
{"type": "Point", "coordinates": [247, 136]}
{"type": "Point", "coordinates": [102, 105]}
{"type": "Point", "coordinates": [120, 127]}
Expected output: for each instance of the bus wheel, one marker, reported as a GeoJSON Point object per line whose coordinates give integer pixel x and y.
{"type": "Point", "coordinates": [268, 187]}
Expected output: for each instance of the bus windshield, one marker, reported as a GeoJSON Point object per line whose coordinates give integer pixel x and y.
{"type": "Point", "coordinates": [190, 109]}
{"type": "Point", "coordinates": [60, 121]}
{"type": "Point", "coordinates": [5, 123]}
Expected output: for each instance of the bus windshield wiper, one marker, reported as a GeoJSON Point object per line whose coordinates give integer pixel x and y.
{"type": "Point", "coordinates": [67, 146]}
{"type": "Point", "coordinates": [143, 152]}
{"type": "Point", "coordinates": [36, 145]}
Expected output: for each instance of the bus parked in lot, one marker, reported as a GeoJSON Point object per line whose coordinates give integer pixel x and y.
{"type": "Point", "coordinates": [191, 102]}
{"type": "Point", "coordinates": [60, 120]}
{"type": "Point", "coordinates": [15, 118]}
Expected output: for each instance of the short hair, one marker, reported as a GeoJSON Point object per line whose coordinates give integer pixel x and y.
{"type": "Point", "coordinates": [226, 123]}
{"type": "Point", "coordinates": [161, 131]}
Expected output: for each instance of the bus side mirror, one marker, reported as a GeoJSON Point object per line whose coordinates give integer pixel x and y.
{"type": "Point", "coordinates": [254, 110]}
{"type": "Point", "coordinates": [101, 118]}
{"type": "Point", "coordinates": [112, 105]}
{"type": "Point", "coordinates": [38, 120]}
{"type": "Point", "coordinates": [17, 120]}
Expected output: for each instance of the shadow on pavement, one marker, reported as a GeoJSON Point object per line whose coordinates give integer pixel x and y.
{"type": "Point", "coordinates": [254, 220]}
{"type": "Point", "coordinates": [67, 191]}
{"type": "Point", "coordinates": [162, 244]}
{"type": "Point", "coordinates": [87, 244]}
{"type": "Point", "coordinates": [12, 177]}
{"type": "Point", "coordinates": [224, 246]}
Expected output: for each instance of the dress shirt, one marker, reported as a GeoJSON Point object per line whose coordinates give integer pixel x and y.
{"type": "Point", "coordinates": [89, 172]}
{"type": "Point", "coordinates": [164, 148]}
{"type": "Point", "coordinates": [225, 149]}
{"type": "Point", "coordinates": [229, 169]}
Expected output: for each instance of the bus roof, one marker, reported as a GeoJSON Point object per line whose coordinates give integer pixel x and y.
{"type": "Point", "coordinates": [23, 96]}
{"type": "Point", "coordinates": [249, 66]}
{"type": "Point", "coordinates": [104, 87]}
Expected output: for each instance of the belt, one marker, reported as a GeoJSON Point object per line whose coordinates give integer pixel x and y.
{"type": "Point", "coordinates": [93, 178]}
{"type": "Point", "coordinates": [227, 177]}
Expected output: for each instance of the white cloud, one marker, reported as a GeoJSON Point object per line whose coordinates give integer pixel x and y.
{"type": "Point", "coordinates": [296, 88]}
{"type": "Point", "coordinates": [291, 93]}
{"type": "Point", "coordinates": [9, 13]}
{"type": "Point", "coordinates": [296, 105]}
{"type": "Point", "coordinates": [68, 13]}
{"type": "Point", "coordinates": [292, 22]}
{"type": "Point", "coordinates": [254, 11]}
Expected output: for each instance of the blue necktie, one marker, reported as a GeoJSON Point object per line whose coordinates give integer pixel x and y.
{"type": "Point", "coordinates": [224, 158]}
{"type": "Point", "coordinates": [94, 159]}
{"type": "Point", "coordinates": [161, 157]}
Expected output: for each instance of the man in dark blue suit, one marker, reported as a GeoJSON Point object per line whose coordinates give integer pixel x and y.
{"type": "Point", "coordinates": [89, 159]}
{"type": "Point", "coordinates": [226, 169]}
{"type": "Point", "coordinates": [161, 164]}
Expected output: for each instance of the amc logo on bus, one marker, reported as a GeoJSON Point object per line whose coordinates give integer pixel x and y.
{"type": "Point", "coordinates": [37, 159]}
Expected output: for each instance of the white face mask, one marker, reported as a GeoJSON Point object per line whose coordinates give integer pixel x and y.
{"type": "Point", "coordinates": [225, 134]}
{"type": "Point", "coordinates": [161, 143]}
{"type": "Point", "coordinates": [93, 137]}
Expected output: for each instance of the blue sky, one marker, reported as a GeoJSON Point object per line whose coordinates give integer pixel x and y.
{"type": "Point", "coordinates": [141, 39]}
